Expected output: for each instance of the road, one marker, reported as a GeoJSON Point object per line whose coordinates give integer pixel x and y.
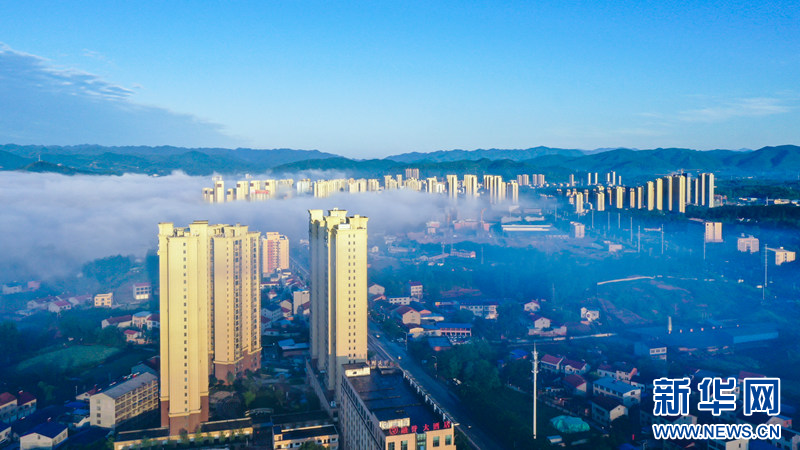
{"type": "Point", "coordinates": [477, 437]}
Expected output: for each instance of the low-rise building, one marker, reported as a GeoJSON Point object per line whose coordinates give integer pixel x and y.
{"type": "Point", "coordinates": [747, 244]}
{"type": "Point", "coordinates": [407, 315]}
{"type": "Point", "coordinates": [783, 256]}
{"type": "Point", "coordinates": [576, 385]}
{"type": "Point", "coordinates": [142, 291]}
{"type": "Point", "coordinates": [15, 407]}
{"type": "Point", "coordinates": [481, 308]}
{"type": "Point", "coordinates": [455, 331]}
{"type": "Point", "coordinates": [104, 300]}
{"type": "Point", "coordinates": [590, 315]}
{"type": "Point", "coordinates": [415, 289]}
{"type": "Point", "coordinates": [44, 436]}
{"type": "Point", "coordinates": [118, 321]}
{"type": "Point", "coordinates": [124, 401]}
{"type": "Point", "coordinates": [382, 410]}
{"type": "Point", "coordinates": [627, 394]}
{"type": "Point", "coordinates": [607, 409]}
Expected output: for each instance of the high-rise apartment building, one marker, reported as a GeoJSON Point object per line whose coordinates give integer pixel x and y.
{"type": "Point", "coordinates": [209, 307]}
{"type": "Point", "coordinates": [338, 246]}
{"type": "Point", "coordinates": [706, 190]}
{"type": "Point", "coordinates": [275, 252]}
{"type": "Point", "coordinates": [713, 232]}
{"type": "Point", "coordinates": [471, 185]}
{"type": "Point", "coordinates": [452, 186]}
{"type": "Point", "coordinates": [747, 244]}
{"type": "Point", "coordinates": [412, 173]}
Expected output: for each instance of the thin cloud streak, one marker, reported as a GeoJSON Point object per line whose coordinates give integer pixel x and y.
{"type": "Point", "coordinates": [44, 104]}
{"type": "Point", "coordinates": [744, 107]}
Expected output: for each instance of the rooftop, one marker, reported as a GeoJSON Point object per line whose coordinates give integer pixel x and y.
{"type": "Point", "coordinates": [615, 385]}
{"type": "Point", "coordinates": [131, 384]}
{"type": "Point", "coordinates": [304, 433]}
{"type": "Point", "coordinates": [49, 429]}
{"type": "Point", "coordinates": [389, 397]}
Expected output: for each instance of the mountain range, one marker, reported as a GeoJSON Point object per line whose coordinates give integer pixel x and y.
{"type": "Point", "coordinates": [779, 161]}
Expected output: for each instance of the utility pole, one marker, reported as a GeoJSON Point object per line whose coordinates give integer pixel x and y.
{"type": "Point", "coordinates": [639, 243]}
{"type": "Point", "coordinates": [764, 288]}
{"type": "Point", "coordinates": [535, 372]}
{"type": "Point", "coordinates": [662, 238]}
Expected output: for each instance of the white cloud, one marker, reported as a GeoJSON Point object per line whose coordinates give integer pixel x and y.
{"type": "Point", "coordinates": [44, 104]}
{"type": "Point", "coordinates": [743, 107]}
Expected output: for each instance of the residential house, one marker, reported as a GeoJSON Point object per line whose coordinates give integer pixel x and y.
{"type": "Point", "coordinates": [407, 315]}
{"type": "Point", "coordinates": [576, 385]}
{"type": "Point", "coordinates": [574, 367]}
{"type": "Point", "coordinates": [43, 436]}
{"type": "Point", "coordinates": [142, 291]}
{"type": "Point", "coordinates": [607, 409]}
{"type": "Point", "coordinates": [532, 306]}
{"type": "Point", "coordinates": [376, 289]}
{"type": "Point", "coordinates": [415, 289]}
{"type": "Point", "coordinates": [551, 363]}
{"type": "Point", "coordinates": [622, 391]}
{"type": "Point", "coordinates": [118, 321]}
{"type": "Point", "coordinates": [104, 300]}
{"type": "Point", "coordinates": [481, 308]}
{"type": "Point", "coordinates": [618, 371]}
{"type": "Point", "coordinates": [590, 315]}
{"type": "Point", "coordinates": [59, 306]}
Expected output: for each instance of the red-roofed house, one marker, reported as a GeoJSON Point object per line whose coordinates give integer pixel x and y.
{"type": "Point", "coordinates": [16, 407]}
{"type": "Point", "coordinates": [134, 336]}
{"type": "Point", "coordinates": [58, 306]}
{"type": "Point", "coordinates": [574, 367]}
{"type": "Point", "coordinates": [407, 315]}
{"type": "Point", "coordinates": [551, 363]}
{"type": "Point", "coordinates": [576, 385]}
{"type": "Point", "coordinates": [119, 321]}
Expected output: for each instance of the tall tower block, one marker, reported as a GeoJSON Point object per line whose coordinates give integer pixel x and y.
{"type": "Point", "coordinates": [338, 246]}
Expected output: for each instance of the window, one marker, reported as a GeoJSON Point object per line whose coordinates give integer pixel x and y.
{"type": "Point", "coordinates": [448, 440]}
{"type": "Point", "coordinates": [404, 445]}
{"type": "Point", "coordinates": [436, 441]}
{"type": "Point", "coordinates": [391, 445]}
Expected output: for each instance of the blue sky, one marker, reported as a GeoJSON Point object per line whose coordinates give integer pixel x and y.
{"type": "Point", "coordinates": [369, 79]}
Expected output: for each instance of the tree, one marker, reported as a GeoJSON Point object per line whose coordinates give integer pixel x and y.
{"type": "Point", "coordinates": [311, 445]}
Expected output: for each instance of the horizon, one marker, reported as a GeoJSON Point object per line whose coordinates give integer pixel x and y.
{"type": "Point", "coordinates": [371, 80]}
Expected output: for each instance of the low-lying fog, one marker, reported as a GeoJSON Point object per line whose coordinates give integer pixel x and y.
{"type": "Point", "coordinates": [54, 223]}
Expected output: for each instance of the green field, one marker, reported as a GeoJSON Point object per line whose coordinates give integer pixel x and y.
{"type": "Point", "coordinates": [68, 359]}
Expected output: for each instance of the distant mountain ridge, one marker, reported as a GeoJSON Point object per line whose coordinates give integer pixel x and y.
{"type": "Point", "coordinates": [781, 160]}
{"type": "Point", "coordinates": [493, 153]}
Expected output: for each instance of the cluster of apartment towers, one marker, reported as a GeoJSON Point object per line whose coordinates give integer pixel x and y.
{"type": "Point", "coordinates": [670, 193]}
{"type": "Point", "coordinates": [497, 189]}
{"type": "Point", "coordinates": [210, 309]}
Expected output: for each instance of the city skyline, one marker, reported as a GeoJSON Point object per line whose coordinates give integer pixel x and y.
{"type": "Point", "coordinates": [372, 80]}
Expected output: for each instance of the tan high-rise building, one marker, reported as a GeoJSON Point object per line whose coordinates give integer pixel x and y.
{"type": "Point", "coordinates": [512, 189]}
{"type": "Point", "coordinates": [706, 190]}
{"type": "Point", "coordinates": [452, 186]}
{"type": "Point", "coordinates": [471, 185]}
{"type": "Point", "coordinates": [338, 246]}
{"type": "Point", "coordinates": [275, 252]}
{"type": "Point", "coordinates": [713, 232]}
{"type": "Point", "coordinates": [412, 172]}
{"type": "Point", "coordinates": [209, 307]}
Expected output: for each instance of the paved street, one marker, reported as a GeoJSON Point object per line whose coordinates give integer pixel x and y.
{"type": "Point", "coordinates": [384, 349]}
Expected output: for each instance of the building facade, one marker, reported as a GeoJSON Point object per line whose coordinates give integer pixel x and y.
{"type": "Point", "coordinates": [209, 312]}
{"type": "Point", "coordinates": [124, 401]}
{"type": "Point", "coordinates": [275, 252]}
{"type": "Point", "coordinates": [338, 246]}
